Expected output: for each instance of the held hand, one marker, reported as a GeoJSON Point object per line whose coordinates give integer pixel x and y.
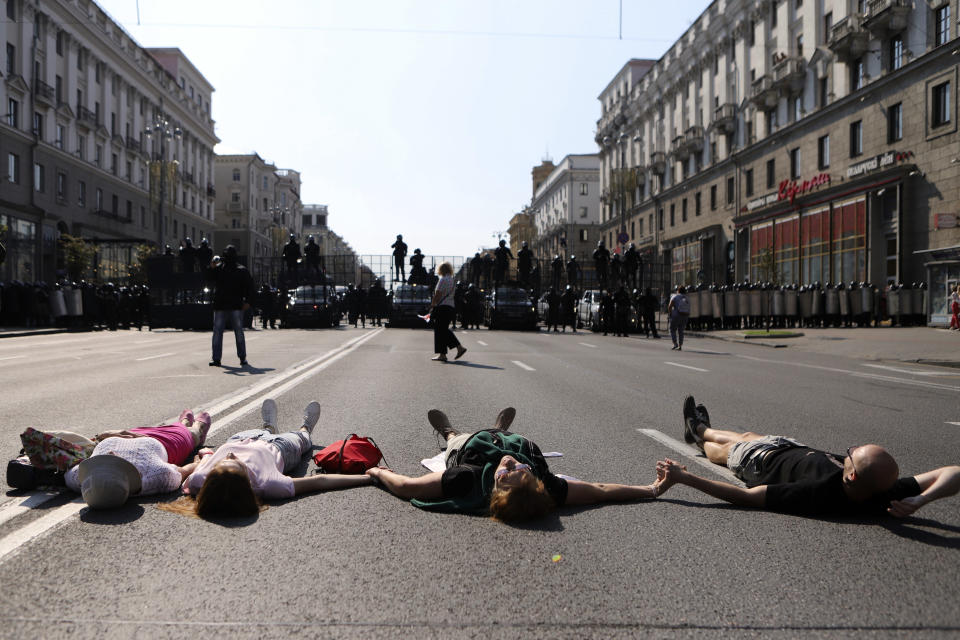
{"type": "Point", "coordinates": [670, 472]}
{"type": "Point", "coordinates": [906, 507]}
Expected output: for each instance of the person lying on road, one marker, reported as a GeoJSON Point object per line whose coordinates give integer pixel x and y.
{"type": "Point", "coordinates": [501, 473]}
{"type": "Point", "coordinates": [250, 467]}
{"type": "Point", "coordinates": [784, 475]}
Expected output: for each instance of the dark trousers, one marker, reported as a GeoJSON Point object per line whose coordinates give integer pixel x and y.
{"type": "Point", "coordinates": [443, 338]}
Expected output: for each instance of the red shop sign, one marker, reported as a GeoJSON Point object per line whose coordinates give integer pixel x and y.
{"type": "Point", "coordinates": [790, 189]}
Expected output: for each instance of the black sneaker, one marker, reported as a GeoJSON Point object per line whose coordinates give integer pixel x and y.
{"type": "Point", "coordinates": [703, 416]}
{"type": "Point", "coordinates": [690, 423]}
{"type": "Point", "coordinates": [214, 363]}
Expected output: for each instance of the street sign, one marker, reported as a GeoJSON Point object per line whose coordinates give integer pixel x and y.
{"type": "Point", "coordinates": [944, 221]}
{"type": "Point", "coordinates": [623, 238]}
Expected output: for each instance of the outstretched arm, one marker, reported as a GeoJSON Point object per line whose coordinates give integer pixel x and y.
{"type": "Point", "coordinates": [936, 484]}
{"type": "Point", "coordinates": [425, 487]}
{"type": "Point", "coordinates": [329, 482]}
{"type": "Point", "coordinates": [580, 492]}
{"type": "Point", "coordinates": [741, 496]}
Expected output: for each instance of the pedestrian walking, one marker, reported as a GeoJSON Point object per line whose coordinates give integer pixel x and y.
{"type": "Point", "coordinates": [443, 315]}
{"type": "Point", "coordinates": [233, 293]}
{"type": "Point", "coordinates": [678, 310]}
{"type": "Point", "coordinates": [955, 308]}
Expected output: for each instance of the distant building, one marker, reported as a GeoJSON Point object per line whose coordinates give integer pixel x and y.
{"type": "Point", "coordinates": [566, 208]}
{"type": "Point", "coordinates": [522, 229]}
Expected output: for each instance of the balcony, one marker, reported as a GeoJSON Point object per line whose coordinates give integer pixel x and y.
{"type": "Point", "coordinates": [693, 139]}
{"type": "Point", "coordinates": [188, 177]}
{"type": "Point", "coordinates": [679, 148]}
{"type": "Point", "coordinates": [884, 17]}
{"type": "Point", "coordinates": [641, 174]}
{"type": "Point", "coordinates": [658, 162]}
{"type": "Point", "coordinates": [789, 74]}
{"type": "Point", "coordinates": [234, 207]}
{"type": "Point", "coordinates": [133, 144]}
{"type": "Point", "coordinates": [848, 39]}
{"type": "Point", "coordinates": [211, 192]}
{"type": "Point", "coordinates": [110, 215]}
{"type": "Point", "coordinates": [45, 93]}
{"type": "Point", "coordinates": [725, 117]}
{"type": "Point", "coordinates": [86, 118]}
{"type": "Point", "coordinates": [763, 93]}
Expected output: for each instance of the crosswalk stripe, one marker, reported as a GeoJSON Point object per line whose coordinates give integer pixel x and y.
{"type": "Point", "coordinates": [686, 366]}
{"type": "Point", "coordinates": [522, 365]}
{"type": "Point", "coordinates": [689, 452]}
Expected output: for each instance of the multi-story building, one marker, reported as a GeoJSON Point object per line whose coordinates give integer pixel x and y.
{"type": "Point", "coordinates": [257, 206]}
{"type": "Point", "coordinates": [522, 229]}
{"type": "Point", "coordinates": [566, 208]}
{"type": "Point", "coordinates": [102, 139]}
{"type": "Point", "coordinates": [796, 141]}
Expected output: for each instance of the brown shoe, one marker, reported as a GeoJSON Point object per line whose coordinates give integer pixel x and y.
{"type": "Point", "coordinates": [441, 423]}
{"type": "Point", "coordinates": [505, 419]}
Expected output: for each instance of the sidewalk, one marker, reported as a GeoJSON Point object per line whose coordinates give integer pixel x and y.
{"type": "Point", "coordinates": [16, 332]}
{"type": "Point", "coordinates": [925, 345]}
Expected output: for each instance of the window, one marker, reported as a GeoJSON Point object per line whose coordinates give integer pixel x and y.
{"type": "Point", "coordinates": [39, 177]}
{"type": "Point", "coordinates": [941, 25]}
{"type": "Point", "coordinates": [696, 203]}
{"type": "Point", "coordinates": [857, 74]}
{"type": "Point", "coordinates": [38, 124]}
{"type": "Point", "coordinates": [113, 163]}
{"type": "Point", "coordinates": [856, 138]}
{"type": "Point", "coordinates": [61, 185]}
{"type": "Point", "coordinates": [798, 4]}
{"type": "Point", "coordinates": [13, 113]}
{"type": "Point", "coordinates": [61, 131]}
{"type": "Point", "coordinates": [799, 42]}
{"type": "Point", "coordinates": [827, 26]}
{"type": "Point", "coordinates": [114, 205]}
{"type": "Point", "coordinates": [264, 187]}
{"type": "Point", "coordinates": [823, 91]}
{"type": "Point", "coordinates": [236, 175]}
{"type": "Point", "coordinates": [96, 72]}
{"type": "Point", "coordinates": [773, 14]}
{"type": "Point", "coordinates": [81, 147]}
{"type": "Point", "coordinates": [795, 163]}
{"type": "Point", "coordinates": [235, 196]}
{"type": "Point", "coordinates": [941, 105]}
{"type": "Point", "coordinates": [13, 168]}
{"type": "Point", "coordinates": [896, 53]}
{"type": "Point", "coordinates": [11, 59]}
{"type": "Point", "coordinates": [58, 89]}
{"type": "Point", "coordinates": [583, 188]}
{"type": "Point", "coordinates": [583, 235]}
{"type": "Point", "coordinates": [673, 214]}
{"type": "Point", "coordinates": [753, 33]}
{"type": "Point", "coordinates": [98, 155]}
{"type": "Point", "coordinates": [99, 199]}
{"type": "Point", "coordinates": [82, 193]}
{"type": "Point", "coordinates": [113, 124]}
{"type": "Point", "coordinates": [60, 43]}
{"type": "Point", "coordinates": [895, 122]}
{"type": "Point", "coordinates": [683, 210]}
{"type": "Point", "coordinates": [143, 216]}
{"type": "Point", "coordinates": [771, 173]}
{"type": "Point", "coordinates": [823, 152]}
{"type": "Point", "coordinates": [748, 178]}
{"type": "Point", "coordinates": [11, 10]}
{"type": "Point", "coordinates": [584, 212]}
{"type": "Point", "coordinates": [129, 173]}
{"type": "Point", "coordinates": [129, 210]}
{"type": "Point", "coordinates": [797, 107]}
{"type": "Point", "coordinates": [730, 188]}
{"type": "Point", "coordinates": [713, 197]}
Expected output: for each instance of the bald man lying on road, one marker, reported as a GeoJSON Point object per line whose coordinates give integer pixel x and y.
{"type": "Point", "coordinates": [784, 475]}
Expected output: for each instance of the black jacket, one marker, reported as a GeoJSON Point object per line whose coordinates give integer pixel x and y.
{"type": "Point", "coordinates": [233, 287]}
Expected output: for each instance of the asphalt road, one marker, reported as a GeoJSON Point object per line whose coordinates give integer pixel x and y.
{"type": "Point", "coordinates": [361, 563]}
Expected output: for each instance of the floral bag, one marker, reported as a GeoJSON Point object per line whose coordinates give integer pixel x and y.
{"type": "Point", "coordinates": [57, 450]}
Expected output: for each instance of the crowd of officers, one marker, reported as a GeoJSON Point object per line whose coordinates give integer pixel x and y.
{"type": "Point", "coordinates": [80, 305]}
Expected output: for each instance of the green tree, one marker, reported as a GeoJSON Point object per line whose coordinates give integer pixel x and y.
{"type": "Point", "coordinates": [77, 255]}
{"type": "Point", "coordinates": [767, 267]}
{"type": "Point", "coordinates": [138, 268]}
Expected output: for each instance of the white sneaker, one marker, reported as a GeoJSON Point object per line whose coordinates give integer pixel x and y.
{"type": "Point", "coordinates": [311, 414]}
{"type": "Point", "coordinates": [268, 411]}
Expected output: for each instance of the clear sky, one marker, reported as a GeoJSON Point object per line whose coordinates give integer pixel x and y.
{"type": "Point", "coordinates": [420, 117]}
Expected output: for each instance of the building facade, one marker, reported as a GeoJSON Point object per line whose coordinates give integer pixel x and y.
{"type": "Point", "coordinates": [795, 141]}
{"type": "Point", "coordinates": [102, 139]}
{"type": "Point", "coordinates": [566, 208]}
{"type": "Point", "coordinates": [522, 229]}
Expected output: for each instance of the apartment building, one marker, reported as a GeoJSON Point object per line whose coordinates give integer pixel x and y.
{"type": "Point", "coordinates": [566, 207]}
{"type": "Point", "coordinates": [821, 132]}
{"type": "Point", "coordinates": [101, 138]}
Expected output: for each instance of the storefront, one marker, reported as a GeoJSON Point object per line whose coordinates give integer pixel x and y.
{"type": "Point", "coordinates": [19, 236]}
{"type": "Point", "coordinates": [943, 276]}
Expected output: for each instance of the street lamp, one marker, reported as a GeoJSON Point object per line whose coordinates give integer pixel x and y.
{"type": "Point", "coordinates": [164, 131]}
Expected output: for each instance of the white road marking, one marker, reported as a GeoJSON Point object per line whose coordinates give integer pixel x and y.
{"type": "Point", "coordinates": [587, 344]}
{"type": "Point", "coordinates": [482, 343]}
{"type": "Point", "coordinates": [913, 371]}
{"type": "Point", "coordinates": [12, 508]}
{"type": "Point", "coordinates": [523, 366]}
{"type": "Point", "coordinates": [38, 527]}
{"type": "Point", "coordinates": [686, 366]}
{"type": "Point", "coordinates": [12, 357]}
{"type": "Point", "coordinates": [159, 355]}
{"type": "Point", "coordinates": [690, 452]}
{"type": "Point", "coordinates": [293, 377]}
{"type": "Point", "coordinates": [956, 423]}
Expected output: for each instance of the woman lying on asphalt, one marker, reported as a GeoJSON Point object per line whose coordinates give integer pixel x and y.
{"type": "Point", "coordinates": [501, 473]}
{"type": "Point", "coordinates": [140, 461]}
{"type": "Point", "coordinates": [250, 467]}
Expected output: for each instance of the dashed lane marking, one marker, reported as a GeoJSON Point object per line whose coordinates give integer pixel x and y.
{"type": "Point", "coordinates": [12, 357]}
{"type": "Point", "coordinates": [587, 344]}
{"type": "Point", "coordinates": [911, 371]}
{"type": "Point", "coordinates": [690, 453]}
{"type": "Point", "coordinates": [22, 504]}
{"type": "Point", "coordinates": [159, 355]}
{"type": "Point", "coordinates": [482, 343]}
{"type": "Point", "coordinates": [956, 423]}
{"type": "Point", "coordinates": [686, 366]}
{"type": "Point", "coordinates": [522, 365]}
{"type": "Point", "coordinates": [38, 527]}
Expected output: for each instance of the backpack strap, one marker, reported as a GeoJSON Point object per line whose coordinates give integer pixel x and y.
{"type": "Point", "coordinates": [342, 447]}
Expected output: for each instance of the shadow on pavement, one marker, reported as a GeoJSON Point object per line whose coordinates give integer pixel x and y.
{"type": "Point", "coordinates": [246, 370]}
{"type": "Point", "coordinates": [124, 515]}
{"type": "Point", "coordinates": [910, 528]}
{"type": "Point", "coordinates": [474, 365]}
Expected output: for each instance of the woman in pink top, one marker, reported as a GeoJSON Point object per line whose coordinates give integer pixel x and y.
{"type": "Point", "coordinates": [250, 466]}
{"type": "Point", "coordinates": [179, 440]}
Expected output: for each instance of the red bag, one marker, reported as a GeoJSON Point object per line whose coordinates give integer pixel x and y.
{"type": "Point", "coordinates": [352, 455]}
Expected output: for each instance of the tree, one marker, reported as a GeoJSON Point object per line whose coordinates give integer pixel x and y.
{"type": "Point", "coordinates": [767, 267]}
{"type": "Point", "coordinates": [77, 255]}
{"type": "Point", "coordinates": [138, 268]}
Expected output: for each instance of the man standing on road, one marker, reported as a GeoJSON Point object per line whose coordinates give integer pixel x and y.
{"type": "Point", "coordinates": [784, 475]}
{"type": "Point", "coordinates": [233, 293]}
{"type": "Point", "coordinates": [679, 312]}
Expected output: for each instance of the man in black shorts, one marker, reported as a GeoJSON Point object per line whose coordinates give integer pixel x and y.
{"type": "Point", "coordinates": [784, 475]}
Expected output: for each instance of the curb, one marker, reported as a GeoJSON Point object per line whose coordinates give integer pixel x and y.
{"type": "Point", "coordinates": [753, 341]}
{"type": "Point", "coordinates": [14, 333]}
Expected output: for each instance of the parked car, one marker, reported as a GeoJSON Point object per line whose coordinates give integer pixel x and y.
{"type": "Point", "coordinates": [408, 302]}
{"type": "Point", "coordinates": [510, 307]}
{"type": "Point", "coordinates": [588, 310]}
{"type": "Point", "coordinates": [310, 306]}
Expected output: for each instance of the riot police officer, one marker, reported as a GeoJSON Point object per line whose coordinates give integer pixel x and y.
{"type": "Point", "coordinates": [524, 262]}
{"type": "Point", "coordinates": [311, 252]}
{"type": "Point", "coordinates": [188, 256]}
{"type": "Point", "coordinates": [204, 254]}
{"type": "Point", "coordinates": [556, 266]}
{"type": "Point", "coordinates": [417, 272]}
{"type": "Point", "coordinates": [631, 262]}
{"type": "Point", "coordinates": [601, 260]}
{"type": "Point", "coordinates": [649, 306]}
{"type": "Point", "coordinates": [502, 255]}
{"type": "Point", "coordinates": [573, 272]}
{"type": "Point", "coordinates": [291, 257]}
{"type": "Point", "coordinates": [568, 309]}
{"type": "Point", "coordinates": [606, 311]}
{"type": "Point", "coordinates": [476, 269]}
{"type": "Point", "coordinates": [621, 300]}
{"type": "Point", "coordinates": [399, 259]}
{"type": "Point", "coordinates": [553, 309]}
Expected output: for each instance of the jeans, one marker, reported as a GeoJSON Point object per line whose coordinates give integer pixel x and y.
{"type": "Point", "coordinates": [220, 319]}
{"type": "Point", "coordinates": [678, 322]}
{"type": "Point", "coordinates": [291, 445]}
